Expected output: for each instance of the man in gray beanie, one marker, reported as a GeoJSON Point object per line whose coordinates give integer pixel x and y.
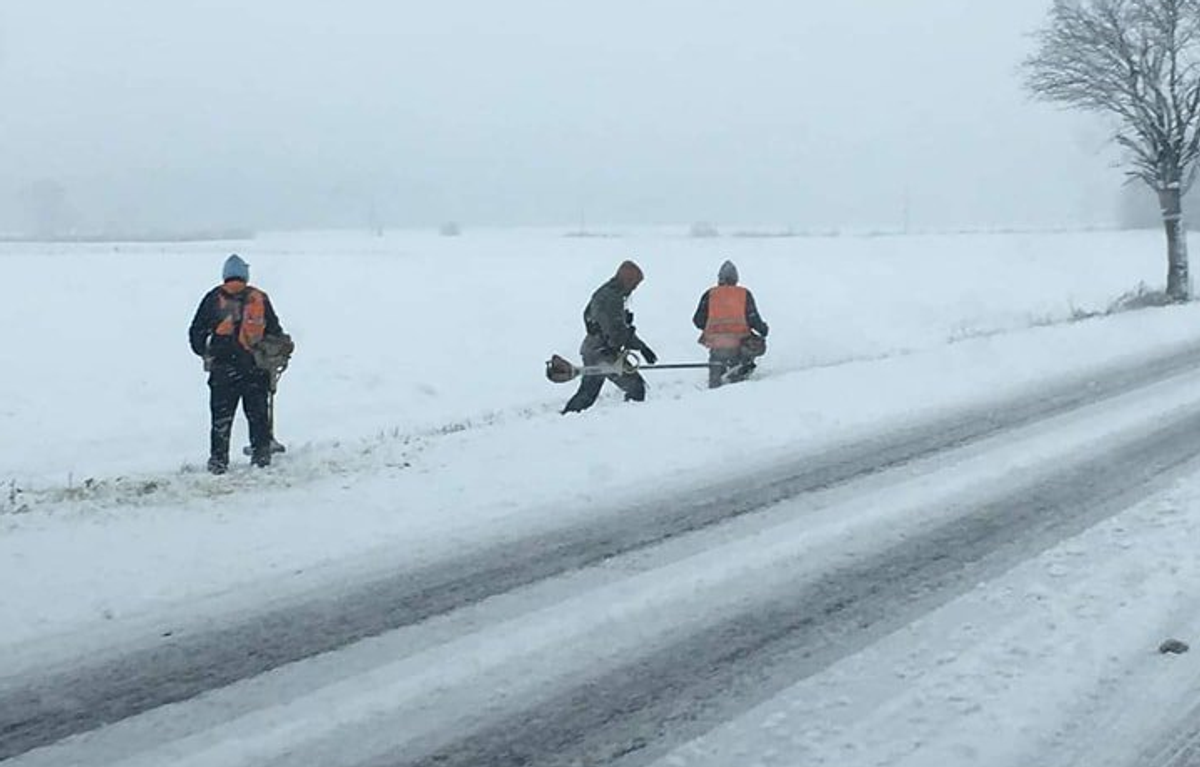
{"type": "Point", "coordinates": [732, 328]}
{"type": "Point", "coordinates": [230, 323]}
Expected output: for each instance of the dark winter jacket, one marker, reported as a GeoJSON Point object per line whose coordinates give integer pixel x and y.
{"type": "Point", "coordinates": [225, 349]}
{"type": "Point", "coordinates": [606, 319]}
{"type": "Point", "coordinates": [753, 319]}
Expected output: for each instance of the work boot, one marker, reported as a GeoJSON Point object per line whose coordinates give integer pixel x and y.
{"type": "Point", "coordinates": [261, 457]}
{"type": "Point", "coordinates": [742, 372]}
{"type": "Point", "coordinates": [217, 465]}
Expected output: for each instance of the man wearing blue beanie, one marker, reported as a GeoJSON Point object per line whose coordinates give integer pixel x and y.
{"type": "Point", "coordinates": [228, 331]}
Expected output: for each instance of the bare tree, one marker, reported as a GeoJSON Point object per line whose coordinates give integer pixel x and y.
{"type": "Point", "coordinates": [1139, 62]}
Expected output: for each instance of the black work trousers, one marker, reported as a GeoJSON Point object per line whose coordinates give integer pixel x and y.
{"type": "Point", "coordinates": [594, 353]}
{"type": "Point", "coordinates": [228, 384]}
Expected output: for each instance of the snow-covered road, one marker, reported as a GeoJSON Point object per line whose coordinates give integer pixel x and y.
{"type": "Point", "coordinates": [634, 637]}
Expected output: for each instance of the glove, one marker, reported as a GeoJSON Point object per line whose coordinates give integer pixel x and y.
{"type": "Point", "coordinates": [764, 330]}
{"type": "Point", "coordinates": [649, 354]}
{"type": "Point", "coordinates": [628, 317]}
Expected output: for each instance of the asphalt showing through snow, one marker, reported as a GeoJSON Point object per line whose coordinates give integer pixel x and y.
{"type": "Point", "coordinates": [1179, 747]}
{"type": "Point", "coordinates": [37, 711]}
{"type": "Point", "coordinates": [637, 713]}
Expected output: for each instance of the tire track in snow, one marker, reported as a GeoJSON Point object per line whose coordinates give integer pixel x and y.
{"type": "Point", "coordinates": [1179, 748]}
{"type": "Point", "coordinates": [656, 702]}
{"type": "Point", "coordinates": [38, 711]}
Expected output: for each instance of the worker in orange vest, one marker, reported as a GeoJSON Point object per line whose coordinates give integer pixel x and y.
{"type": "Point", "coordinates": [732, 328]}
{"type": "Point", "coordinates": [231, 321]}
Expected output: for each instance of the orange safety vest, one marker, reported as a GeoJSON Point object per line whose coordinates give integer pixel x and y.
{"type": "Point", "coordinates": [245, 314]}
{"type": "Point", "coordinates": [726, 326]}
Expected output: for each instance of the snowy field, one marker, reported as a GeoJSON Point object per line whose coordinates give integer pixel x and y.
{"type": "Point", "coordinates": [419, 423]}
{"type": "Point", "coordinates": [413, 334]}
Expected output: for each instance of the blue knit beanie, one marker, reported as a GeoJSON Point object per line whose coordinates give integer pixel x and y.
{"type": "Point", "coordinates": [236, 269]}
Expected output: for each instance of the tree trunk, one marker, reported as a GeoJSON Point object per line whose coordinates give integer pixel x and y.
{"type": "Point", "coordinates": [1171, 202]}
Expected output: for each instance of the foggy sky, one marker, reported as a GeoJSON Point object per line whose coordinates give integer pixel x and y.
{"type": "Point", "coordinates": [281, 113]}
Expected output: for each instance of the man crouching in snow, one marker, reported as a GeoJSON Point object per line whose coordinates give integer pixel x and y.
{"type": "Point", "coordinates": [730, 321]}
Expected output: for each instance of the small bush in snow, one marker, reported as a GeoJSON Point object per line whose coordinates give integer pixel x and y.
{"type": "Point", "coordinates": [12, 502]}
{"type": "Point", "coordinates": [1140, 297]}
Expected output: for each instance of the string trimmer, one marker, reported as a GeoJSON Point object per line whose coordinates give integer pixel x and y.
{"type": "Point", "coordinates": [561, 370]}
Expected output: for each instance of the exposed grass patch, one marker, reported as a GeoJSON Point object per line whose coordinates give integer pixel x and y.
{"type": "Point", "coordinates": [1140, 297]}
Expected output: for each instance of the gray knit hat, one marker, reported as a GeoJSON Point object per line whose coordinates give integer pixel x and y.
{"type": "Point", "coordinates": [728, 274]}
{"type": "Point", "coordinates": [235, 269]}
